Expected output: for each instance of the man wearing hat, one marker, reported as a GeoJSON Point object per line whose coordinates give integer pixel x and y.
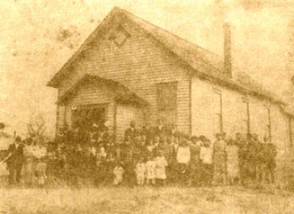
{"type": "Point", "coordinates": [15, 160]}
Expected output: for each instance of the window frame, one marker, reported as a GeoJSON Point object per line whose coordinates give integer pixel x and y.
{"type": "Point", "coordinates": [218, 92]}
{"type": "Point", "coordinates": [169, 109]}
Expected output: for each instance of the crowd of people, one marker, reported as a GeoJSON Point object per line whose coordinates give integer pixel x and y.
{"type": "Point", "coordinates": [156, 155]}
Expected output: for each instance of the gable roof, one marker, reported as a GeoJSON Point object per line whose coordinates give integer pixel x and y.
{"type": "Point", "coordinates": [203, 62]}
{"type": "Point", "coordinates": [122, 93]}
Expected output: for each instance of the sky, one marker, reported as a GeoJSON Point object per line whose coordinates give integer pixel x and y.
{"type": "Point", "coordinates": [38, 36]}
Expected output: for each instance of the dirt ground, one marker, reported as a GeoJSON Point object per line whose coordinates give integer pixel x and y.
{"type": "Point", "coordinates": [146, 200]}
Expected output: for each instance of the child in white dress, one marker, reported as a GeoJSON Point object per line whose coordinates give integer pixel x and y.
{"type": "Point", "coordinates": [161, 164]}
{"type": "Point", "coordinates": [41, 172]}
{"type": "Point", "coordinates": [150, 171]}
{"type": "Point", "coordinates": [140, 172]}
{"type": "Point", "coordinates": [118, 173]}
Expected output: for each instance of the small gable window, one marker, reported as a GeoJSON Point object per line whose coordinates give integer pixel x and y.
{"type": "Point", "coordinates": [120, 36]}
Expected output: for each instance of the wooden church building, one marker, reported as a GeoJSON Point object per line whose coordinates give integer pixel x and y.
{"type": "Point", "coordinates": [129, 69]}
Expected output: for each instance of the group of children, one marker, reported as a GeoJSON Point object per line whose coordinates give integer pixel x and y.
{"type": "Point", "coordinates": [159, 155]}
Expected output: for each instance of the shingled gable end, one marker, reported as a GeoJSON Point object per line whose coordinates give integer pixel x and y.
{"type": "Point", "coordinates": [147, 64]}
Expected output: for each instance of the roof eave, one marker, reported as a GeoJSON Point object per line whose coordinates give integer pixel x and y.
{"type": "Point", "coordinates": [54, 82]}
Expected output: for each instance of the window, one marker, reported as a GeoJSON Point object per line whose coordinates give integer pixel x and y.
{"type": "Point", "coordinates": [120, 36]}
{"type": "Point", "coordinates": [167, 101]}
{"type": "Point", "coordinates": [245, 115]}
{"type": "Point", "coordinates": [217, 112]}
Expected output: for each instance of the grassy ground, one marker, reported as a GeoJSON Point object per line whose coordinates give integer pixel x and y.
{"type": "Point", "coordinates": [146, 200]}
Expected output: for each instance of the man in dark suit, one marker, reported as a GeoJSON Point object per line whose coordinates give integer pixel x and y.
{"type": "Point", "coordinates": [148, 132]}
{"type": "Point", "coordinates": [131, 132]}
{"type": "Point", "coordinates": [16, 160]}
{"type": "Point", "coordinates": [160, 130]}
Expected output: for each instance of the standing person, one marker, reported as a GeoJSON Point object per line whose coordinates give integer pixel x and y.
{"type": "Point", "coordinates": [143, 147]}
{"type": "Point", "coordinates": [150, 149]}
{"type": "Point", "coordinates": [156, 141]}
{"type": "Point", "coordinates": [163, 147]}
{"type": "Point", "coordinates": [253, 157]}
{"type": "Point", "coordinates": [131, 132]}
{"type": "Point", "coordinates": [118, 173]}
{"type": "Point", "coordinates": [140, 171]}
{"type": "Point", "coordinates": [28, 164]}
{"type": "Point", "coordinates": [244, 158]}
{"type": "Point", "coordinates": [147, 131]}
{"type": "Point", "coordinates": [137, 147]}
{"type": "Point", "coordinates": [219, 160]}
{"type": "Point", "coordinates": [160, 129]}
{"type": "Point", "coordinates": [183, 160]}
{"type": "Point", "coordinates": [261, 153]}
{"type": "Point", "coordinates": [172, 161]}
{"type": "Point", "coordinates": [160, 168]}
{"type": "Point", "coordinates": [15, 161]}
{"type": "Point", "coordinates": [195, 161]}
{"type": "Point", "coordinates": [41, 171]}
{"type": "Point", "coordinates": [171, 130]}
{"type": "Point", "coordinates": [270, 167]}
{"type": "Point", "coordinates": [150, 171]}
{"type": "Point", "coordinates": [206, 154]}
{"type": "Point", "coordinates": [232, 151]}
{"type": "Point", "coordinates": [128, 149]}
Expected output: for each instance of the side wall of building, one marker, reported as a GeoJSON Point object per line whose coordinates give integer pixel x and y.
{"type": "Point", "coordinates": [239, 114]}
{"type": "Point", "coordinates": [209, 101]}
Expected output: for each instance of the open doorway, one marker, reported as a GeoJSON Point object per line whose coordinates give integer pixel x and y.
{"type": "Point", "coordinates": [84, 116]}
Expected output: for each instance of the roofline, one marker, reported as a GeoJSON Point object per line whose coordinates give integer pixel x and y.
{"type": "Point", "coordinates": [88, 40]}
{"type": "Point", "coordinates": [235, 86]}
{"type": "Point", "coordinates": [73, 90]}
{"type": "Point", "coordinates": [220, 81]}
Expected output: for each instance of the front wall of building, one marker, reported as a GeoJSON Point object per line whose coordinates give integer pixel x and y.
{"type": "Point", "coordinates": [140, 63]}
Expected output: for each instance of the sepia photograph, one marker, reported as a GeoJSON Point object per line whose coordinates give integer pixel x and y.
{"type": "Point", "coordinates": [146, 106]}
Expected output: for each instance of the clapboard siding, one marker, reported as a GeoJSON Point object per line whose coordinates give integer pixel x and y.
{"type": "Point", "coordinates": [139, 64]}
{"type": "Point", "coordinates": [234, 111]}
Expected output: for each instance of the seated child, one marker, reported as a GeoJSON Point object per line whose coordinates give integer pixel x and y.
{"type": "Point", "coordinates": [40, 171]}
{"type": "Point", "coordinates": [160, 167]}
{"type": "Point", "coordinates": [150, 170]}
{"type": "Point", "coordinates": [118, 173]}
{"type": "Point", "coordinates": [140, 172]}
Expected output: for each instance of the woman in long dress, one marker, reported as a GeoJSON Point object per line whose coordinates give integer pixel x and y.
{"type": "Point", "coordinates": [232, 161]}
{"type": "Point", "coordinates": [28, 165]}
{"type": "Point", "coordinates": [219, 160]}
